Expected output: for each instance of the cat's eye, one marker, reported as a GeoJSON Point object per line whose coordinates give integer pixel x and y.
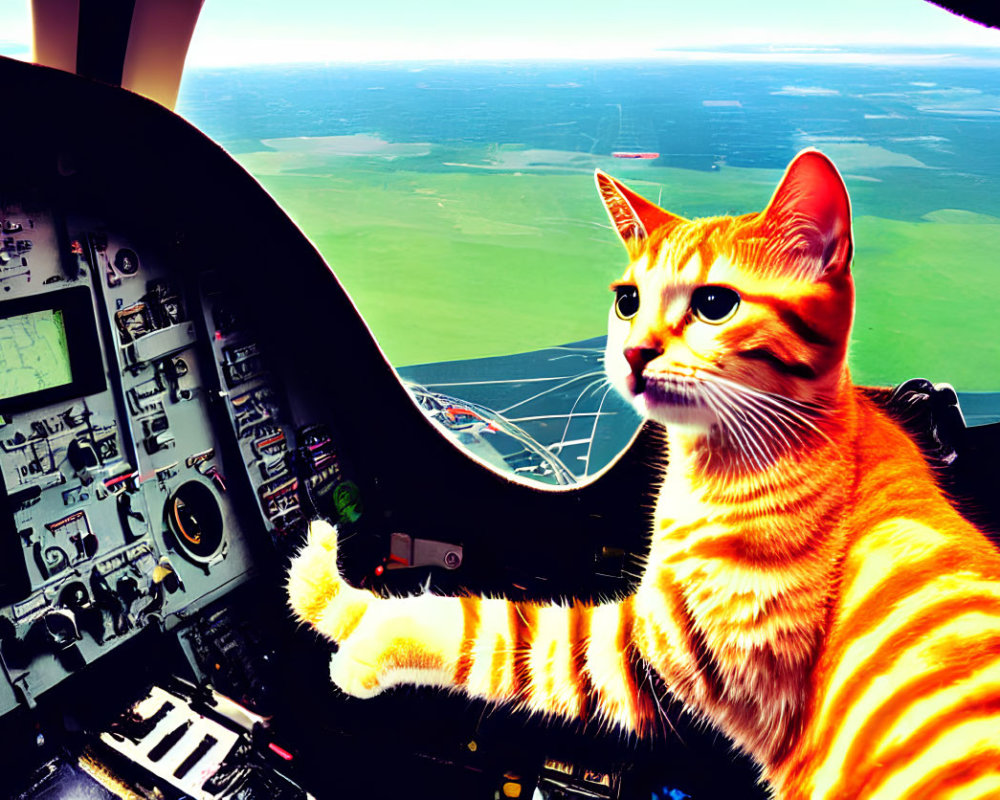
{"type": "Point", "coordinates": [714, 304]}
{"type": "Point", "coordinates": [626, 301]}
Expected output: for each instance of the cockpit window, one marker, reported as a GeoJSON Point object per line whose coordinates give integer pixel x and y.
{"type": "Point", "coordinates": [454, 197]}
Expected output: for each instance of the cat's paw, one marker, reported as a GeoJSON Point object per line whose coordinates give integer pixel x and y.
{"type": "Point", "coordinates": [323, 534]}
{"type": "Point", "coordinates": [358, 677]}
{"type": "Point", "coordinates": [400, 640]}
{"type": "Point", "coordinates": [314, 579]}
{"type": "Point", "coordinates": [382, 641]}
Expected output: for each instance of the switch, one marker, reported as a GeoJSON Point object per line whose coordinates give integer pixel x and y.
{"type": "Point", "coordinates": [159, 441]}
{"type": "Point", "coordinates": [406, 551]}
{"type": "Point", "coordinates": [81, 454]}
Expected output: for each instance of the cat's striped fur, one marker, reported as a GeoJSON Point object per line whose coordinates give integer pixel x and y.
{"type": "Point", "coordinates": [808, 589]}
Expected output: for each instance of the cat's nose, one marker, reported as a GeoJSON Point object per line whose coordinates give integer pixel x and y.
{"type": "Point", "coordinates": [639, 357]}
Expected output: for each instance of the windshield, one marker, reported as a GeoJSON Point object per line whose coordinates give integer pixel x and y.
{"type": "Point", "coordinates": [441, 158]}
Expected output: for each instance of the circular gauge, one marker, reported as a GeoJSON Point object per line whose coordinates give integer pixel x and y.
{"type": "Point", "coordinates": [126, 261]}
{"type": "Point", "coordinates": [195, 520]}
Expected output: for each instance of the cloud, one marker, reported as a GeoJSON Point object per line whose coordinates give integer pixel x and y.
{"type": "Point", "coordinates": [806, 91]}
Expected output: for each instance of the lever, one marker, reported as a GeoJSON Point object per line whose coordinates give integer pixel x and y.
{"type": "Point", "coordinates": [126, 513]}
{"type": "Point", "coordinates": [406, 552]}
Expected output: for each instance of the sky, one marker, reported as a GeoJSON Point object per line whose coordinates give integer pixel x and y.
{"type": "Point", "coordinates": [238, 32]}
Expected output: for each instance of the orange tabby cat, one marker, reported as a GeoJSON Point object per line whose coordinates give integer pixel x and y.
{"type": "Point", "coordinates": [808, 589]}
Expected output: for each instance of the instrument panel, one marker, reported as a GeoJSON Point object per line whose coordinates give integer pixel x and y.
{"type": "Point", "coordinates": [110, 459]}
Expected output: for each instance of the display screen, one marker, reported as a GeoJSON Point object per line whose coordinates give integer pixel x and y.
{"type": "Point", "coordinates": [49, 349]}
{"type": "Point", "coordinates": [34, 353]}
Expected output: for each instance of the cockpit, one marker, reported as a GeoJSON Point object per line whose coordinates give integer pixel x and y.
{"type": "Point", "coordinates": [375, 293]}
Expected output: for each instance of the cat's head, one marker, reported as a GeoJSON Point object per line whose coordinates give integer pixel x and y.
{"type": "Point", "coordinates": [735, 324]}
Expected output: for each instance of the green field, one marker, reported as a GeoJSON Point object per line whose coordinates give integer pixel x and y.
{"type": "Point", "coordinates": [462, 252]}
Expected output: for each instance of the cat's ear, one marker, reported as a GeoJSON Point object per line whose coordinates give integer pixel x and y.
{"type": "Point", "coordinates": [634, 217]}
{"type": "Point", "coordinates": [812, 210]}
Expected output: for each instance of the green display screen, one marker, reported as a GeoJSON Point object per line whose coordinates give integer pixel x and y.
{"type": "Point", "coordinates": [34, 353]}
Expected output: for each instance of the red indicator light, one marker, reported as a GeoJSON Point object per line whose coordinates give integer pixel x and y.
{"type": "Point", "coordinates": [280, 751]}
{"type": "Point", "coordinates": [218, 336]}
{"type": "Point", "coordinates": [379, 570]}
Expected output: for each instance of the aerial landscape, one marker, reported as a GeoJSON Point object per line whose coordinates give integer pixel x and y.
{"type": "Point", "coordinates": [456, 201]}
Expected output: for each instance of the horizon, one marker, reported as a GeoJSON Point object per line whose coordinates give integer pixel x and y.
{"type": "Point", "coordinates": [234, 33]}
{"type": "Point", "coordinates": [960, 55]}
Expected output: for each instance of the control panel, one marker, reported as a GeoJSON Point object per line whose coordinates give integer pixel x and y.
{"type": "Point", "coordinates": [119, 511]}
{"type": "Point", "coordinates": [290, 468]}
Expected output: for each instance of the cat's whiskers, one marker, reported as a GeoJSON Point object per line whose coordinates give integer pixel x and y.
{"type": "Point", "coordinates": [763, 416]}
{"type": "Point", "coordinates": [595, 388]}
{"type": "Point", "coordinates": [593, 429]}
{"type": "Point", "coordinates": [756, 428]}
{"type": "Point", "coordinates": [573, 350]}
{"type": "Point", "coordinates": [755, 423]}
{"type": "Point", "coordinates": [780, 416]}
{"type": "Point", "coordinates": [744, 453]}
{"type": "Point", "coordinates": [593, 385]}
{"type": "Point", "coordinates": [551, 389]}
{"type": "Point", "coordinates": [748, 447]}
{"type": "Point", "coordinates": [774, 416]}
{"type": "Point", "coordinates": [758, 425]}
{"type": "Point", "coordinates": [793, 410]}
{"type": "Point", "coordinates": [744, 445]}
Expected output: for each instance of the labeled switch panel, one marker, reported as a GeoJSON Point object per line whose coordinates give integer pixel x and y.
{"type": "Point", "coordinates": [295, 469]}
